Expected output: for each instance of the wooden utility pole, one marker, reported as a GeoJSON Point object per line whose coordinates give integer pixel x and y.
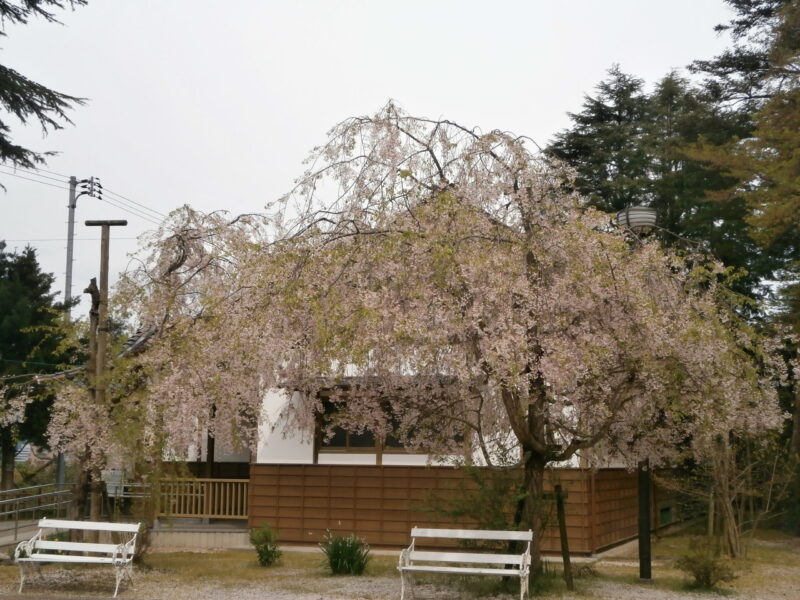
{"type": "Point", "coordinates": [97, 363]}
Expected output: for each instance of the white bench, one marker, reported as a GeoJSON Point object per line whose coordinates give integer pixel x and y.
{"type": "Point", "coordinates": [416, 561]}
{"type": "Point", "coordinates": [39, 550]}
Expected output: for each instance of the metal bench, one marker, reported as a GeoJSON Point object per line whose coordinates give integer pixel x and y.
{"type": "Point", "coordinates": [39, 550]}
{"type": "Point", "coordinates": [480, 563]}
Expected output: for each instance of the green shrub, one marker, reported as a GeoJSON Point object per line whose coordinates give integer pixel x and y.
{"type": "Point", "coordinates": [704, 561]}
{"type": "Point", "coordinates": [266, 542]}
{"type": "Point", "coordinates": [345, 555]}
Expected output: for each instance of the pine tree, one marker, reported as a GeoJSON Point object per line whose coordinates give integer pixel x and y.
{"type": "Point", "coordinates": [629, 148]}
{"type": "Point", "coordinates": [763, 70]}
{"type": "Point", "coordinates": [26, 99]}
{"type": "Point", "coordinates": [763, 58]}
{"type": "Point", "coordinates": [605, 143]}
{"type": "Point", "coordinates": [29, 343]}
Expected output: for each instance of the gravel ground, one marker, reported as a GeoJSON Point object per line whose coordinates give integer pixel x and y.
{"type": "Point", "coordinates": [763, 582]}
{"type": "Point", "coordinates": [92, 587]}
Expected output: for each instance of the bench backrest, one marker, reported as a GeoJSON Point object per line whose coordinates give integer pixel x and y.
{"type": "Point", "coordinates": [468, 534]}
{"type": "Point", "coordinates": [76, 547]}
{"type": "Point", "coordinates": [466, 557]}
{"type": "Point", "coordinates": [88, 525]}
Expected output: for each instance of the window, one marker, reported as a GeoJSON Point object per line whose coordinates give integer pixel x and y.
{"type": "Point", "coordinates": [344, 441]}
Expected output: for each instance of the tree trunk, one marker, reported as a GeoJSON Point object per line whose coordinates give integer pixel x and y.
{"type": "Point", "coordinates": [96, 488]}
{"type": "Point", "coordinates": [795, 450]}
{"type": "Point", "coordinates": [9, 450]}
{"type": "Point", "coordinates": [796, 423]}
{"type": "Point", "coordinates": [208, 471]}
{"type": "Point", "coordinates": [533, 507]}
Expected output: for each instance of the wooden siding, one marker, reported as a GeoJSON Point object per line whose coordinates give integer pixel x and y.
{"type": "Point", "coordinates": [383, 503]}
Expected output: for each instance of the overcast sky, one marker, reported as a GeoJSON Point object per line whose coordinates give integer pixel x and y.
{"type": "Point", "coordinates": [192, 104]}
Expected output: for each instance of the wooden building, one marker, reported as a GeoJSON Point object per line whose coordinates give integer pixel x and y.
{"type": "Point", "coordinates": [383, 503]}
{"type": "Point", "coordinates": [303, 488]}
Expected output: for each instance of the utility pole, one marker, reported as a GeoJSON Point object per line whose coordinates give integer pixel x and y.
{"type": "Point", "coordinates": [645, 507]}
{"type": "Point", "coordinates": [98, 376]}
{"type": "Point", "coordinates": [89, 187]}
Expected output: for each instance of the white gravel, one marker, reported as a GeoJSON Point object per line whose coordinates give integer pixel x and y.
{"type": "Point", "coordinates": [56, 584]}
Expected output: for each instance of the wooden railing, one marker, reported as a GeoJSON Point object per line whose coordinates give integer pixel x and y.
{"type": "Point", "coordinates": [204, 498]}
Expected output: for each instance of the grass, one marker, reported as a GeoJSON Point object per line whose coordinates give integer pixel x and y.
{"type": "Point", "coordinates": [239, 566]}
{"type": "Point", "coordinates": [773, 560]}
{"type": "Point", "coordinates": [771, 556]}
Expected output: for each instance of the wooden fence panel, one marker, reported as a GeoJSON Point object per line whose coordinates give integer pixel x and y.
{"type": "Point", "coordinates": [383, 503]}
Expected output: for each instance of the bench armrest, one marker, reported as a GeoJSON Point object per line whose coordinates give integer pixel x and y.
{"type": "Point", "coordinates": [25, 549]}
{"type": "Point", "coordinates": [125, 550]}
{"type": "Point", "coordinates": [526, 561]}
{"type": "Point", "coordinates": [405, 556]}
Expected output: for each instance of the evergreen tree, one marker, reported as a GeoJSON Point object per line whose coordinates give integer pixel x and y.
{"type": "Point", "coordinates": [763, 58]}
{"type": "Point", "coordinates": [26, 99]}
{"type": "Point", "coordinates": [605, 145]}
{"type": "Point", "coordinates": [30, 338]}
{"type": "Point", "coordinates": [629, 148]}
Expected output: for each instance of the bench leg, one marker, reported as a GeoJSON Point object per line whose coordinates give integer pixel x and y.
{"type": "Point", "coordinates": [25, 569]}
{"type": "Point", "coordinates": [21, 577]}
{"type": "Point", "coordinates": [120, 573]}
{"type": "Point", "coordinates": [129, 574]}
{"type": "Point", "coordinates": [523, 587]}
{"type": "Point", "coordinates": [406, 581]}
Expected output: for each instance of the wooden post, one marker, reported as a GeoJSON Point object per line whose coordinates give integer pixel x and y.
{"type": "Point", "coordinates": [96, 482]}
{"type": "Point", "coordinates": [562, 527]}
{"type": "Point", "coordinates": [645, 506]}
{"type": "Point", "coordinates": [711, 516]}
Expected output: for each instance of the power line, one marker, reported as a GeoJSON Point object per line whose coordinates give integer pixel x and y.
{"type": "Point", "coordinates": [37, 181]}
{"type": "Point", "coordinates": [51, 172]}
{"type": "Point", "coordinates": [65, 239]}
{"type": "Point", "coordinates": [119, 203]}
{"type": "Point", "coordinates": [119, 197]}
{"type": "Point", "coordinates": [132, 211]}
{"type": "Point", "coordinates": [15, 169]}
{"type": "Point", "coordinates": [159, 214]}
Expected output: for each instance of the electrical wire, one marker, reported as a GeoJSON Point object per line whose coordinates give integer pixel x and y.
{"type": "Point", "coordinates": [37, 181]}
{"type": "Point", "coordinates": [131, 211]}
{"type": "Point", "coordinates": [51, 172]}
{"type": "Point", "coordinates": [121, 204]}
{"type": "Point", "coordinates": [66, 239]}
{"type": "Point", "coordinates": [116, 195]}
{"type": "Point", "coordinates": [123, 198]}
{"type": "Point", "coordinates": [15, 169]}
{"type": "Point", "coordinates": [127, 206]}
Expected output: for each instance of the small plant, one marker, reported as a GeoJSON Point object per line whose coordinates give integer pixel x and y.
{"type": "Point", "coordinates": [704, 562]}
{"type": "Point", "coordinates": [266, 542]}
{"type": "Point", "coordinates": [346, 555]}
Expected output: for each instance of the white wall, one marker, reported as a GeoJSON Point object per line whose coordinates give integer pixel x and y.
{"type": "Point", "coordinates": [275, 443]}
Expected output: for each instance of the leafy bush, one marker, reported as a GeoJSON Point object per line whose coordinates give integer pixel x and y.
{"type": "Point", "coordinates": [266, 542]}
{"type": "Point", "coordinates": [346, 555]}
{"type": "Point", "coordinates": [705, 563]}
{"type": "Point", "coordinates": [486, 499]}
